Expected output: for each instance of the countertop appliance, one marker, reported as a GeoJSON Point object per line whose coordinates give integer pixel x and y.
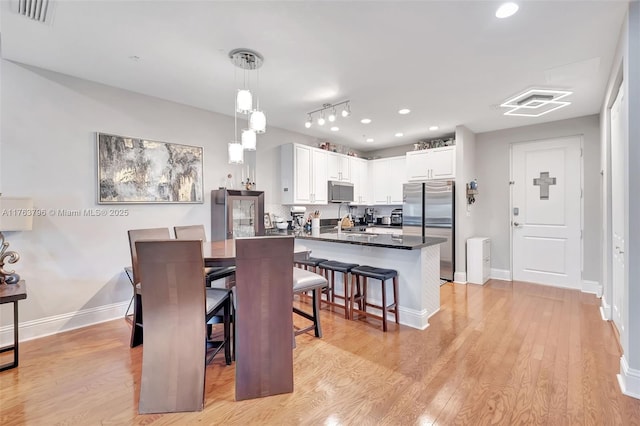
{"type": "Point", "coordinates": [429, 210]}
{"type": "Point", "coordinates": [236, 213]}
{"type": "Point", "coordinates": [396, 217]}
{"type": "Point", "coordinates": [369, 215]}
{"type": "Point", "coordinates": [340, 192]}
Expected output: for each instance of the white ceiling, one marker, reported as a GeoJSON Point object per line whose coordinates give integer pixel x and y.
{"type": "Point", "coordinates": [450, 62]}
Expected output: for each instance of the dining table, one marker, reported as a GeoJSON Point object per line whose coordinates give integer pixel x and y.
{"type": "Point", "coordinates": [223, 253]}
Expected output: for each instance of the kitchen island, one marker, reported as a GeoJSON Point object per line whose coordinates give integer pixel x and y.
{"type": "Point", "coordinates": [416, 259]}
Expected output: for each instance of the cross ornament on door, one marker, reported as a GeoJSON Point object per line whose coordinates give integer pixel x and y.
{"type": "Point", "coordinates": [543, 182]}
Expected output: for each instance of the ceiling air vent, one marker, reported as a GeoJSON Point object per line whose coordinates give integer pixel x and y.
{"type": "Point", "coordinates": [34, 9]}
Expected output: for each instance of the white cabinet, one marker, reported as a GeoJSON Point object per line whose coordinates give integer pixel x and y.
{"type": "Point", "coordinates": [387, 177]}
{"type": "Point", "coordinates": [478, 260]}
{"type": "Point", "coordinates": [435, 163]}
{"type": "Point", "coordinates": [338, 167]}
{"type": "Point", "coordinates": [303, 174]}
{"type": "Point", "coordinates": [359, 170]}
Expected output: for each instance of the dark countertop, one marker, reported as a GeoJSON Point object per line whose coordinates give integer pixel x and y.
{"type": "Point", "coordinates": [402, 242]}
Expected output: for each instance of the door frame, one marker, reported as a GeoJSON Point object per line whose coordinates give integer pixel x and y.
{"type": "Point", "coordinates": [579, 136]}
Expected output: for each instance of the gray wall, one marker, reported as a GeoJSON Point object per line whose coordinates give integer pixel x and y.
{"type": "Point", "coordinates": [48, 130]}
{"type": "Point", "coordinates": [492, 203]}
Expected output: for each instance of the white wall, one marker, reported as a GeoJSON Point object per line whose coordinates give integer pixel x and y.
{"type": "Point", "coordinates": [465, 213]}
{"type": "Point", "coordinates": [492, 203]}
{"type": "Point", "coordinates": [73, 265]}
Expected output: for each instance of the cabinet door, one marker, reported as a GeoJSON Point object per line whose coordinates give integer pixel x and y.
{"type": "Point", "coordinates": [379, 170]}
{"type": "Point", "coordinates": [302, 174]}
{"type": "Point", "coordinates": [443, 162]}
{"type": "Point", "coordinates": [338, 167]}
{"type": "Point", "coordinates": [397, 177]}
{"type": "Point", "coordinates": [359, 177]}
{"type": "Point", "coordinates": [417, 165]}
{"type": "Point", "coordinates": [318, 173]}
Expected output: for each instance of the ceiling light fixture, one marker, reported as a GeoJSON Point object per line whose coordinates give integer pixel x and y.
{"type": "Point", "coordinates": [506, 9]}
{"type": "Point", "coordinates": [536, 102]}
{"type": "Point", "coordinates": [365, 121]}
{"type": "Point", "coordinates": [404, 111]}
{"type": "Point", "coordinates": [335, 128]}
{"type": "Point", "coordinates": [248, 60]}
{"type": "Point", "coordinates": [433, 128]}
{"type": "Point", "coordinates": [369, 139]}
{"type": "Point", "coordinates": [332, 113]}
{"type": "Point", "coordinates": [399, 135]}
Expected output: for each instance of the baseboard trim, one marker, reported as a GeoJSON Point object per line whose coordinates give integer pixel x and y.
{"type": "Point", "coordinates": [460, 277]}
{"type": "Point", "coordinates": [605, 309]}
{"type": "Point", "coordinates": [592, 287]}
{"type": "Point", "coordinates": [408, 317]}
{"type": "Point", "coordinates": [29, 330]}
{"type": "Point", "coordinates": [500, 274]}
{"type": "Point", "coordinates": [629, 379]}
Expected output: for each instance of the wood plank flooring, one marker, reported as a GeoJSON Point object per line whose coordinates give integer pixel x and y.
{"type": "Point", "coordinates": [504, 353]}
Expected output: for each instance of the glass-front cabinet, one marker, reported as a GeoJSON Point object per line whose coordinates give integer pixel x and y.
{"type": "Point", "coordinates": [236, 214]}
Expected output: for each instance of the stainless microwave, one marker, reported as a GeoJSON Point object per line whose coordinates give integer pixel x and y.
{"type": "Point", "coordinates": [340, 192]}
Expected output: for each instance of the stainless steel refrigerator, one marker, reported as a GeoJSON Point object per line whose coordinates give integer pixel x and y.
{"type": "Point", "coordinates": [429, 210]}
{"type": "Point", "coordinates": [236, 213]}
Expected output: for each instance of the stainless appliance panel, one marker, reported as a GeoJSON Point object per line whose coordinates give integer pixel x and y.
{"type": "Point", "coordinates": [340, 192]}
{"type": "Point", "coordinates": [428, 210]}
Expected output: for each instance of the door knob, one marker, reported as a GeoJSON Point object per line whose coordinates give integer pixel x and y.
{"type": "Point", "coordinates": [516, 224]}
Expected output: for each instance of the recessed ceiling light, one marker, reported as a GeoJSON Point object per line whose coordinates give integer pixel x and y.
{"type": "Point", "coordinates": [506, 9]}
{"type": "Point", "coordinates": [434, 128]}
{"type": "Point", "coordinates": [335, 128]}
{"type": "Point", "coordinates": [404, 111]}
{"type": "Point", "coordinates": [365, 121]}
{"type": "Point", "coordinates": [369, 139]}
{"type": "Point", "coordinates": [134, 58]}
{"type": "Point", "coordinates": [399, 134]}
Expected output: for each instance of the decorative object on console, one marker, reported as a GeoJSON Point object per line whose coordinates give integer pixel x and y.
{"type": "Point", "coordinates": [247, 60]}
{"type": "Point", "coordinates": [16, 214]}
{"type": "Point", "coordinates": [132, 170]}
{"type": "Point", "coordinates": [331, 115]}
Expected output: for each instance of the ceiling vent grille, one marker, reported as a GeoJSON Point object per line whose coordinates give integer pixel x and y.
{"type": "Point", "coordinates": [34, 9]}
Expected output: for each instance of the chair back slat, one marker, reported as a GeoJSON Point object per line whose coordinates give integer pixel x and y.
{"type": "Point", "coordinates": [143, 234]}
{"type": "Point", "coordinates": [174, 309]}
{"type": "Point", "coordinates": [190, 232]}
{"type": "Point", "coordinates": [264, 297]}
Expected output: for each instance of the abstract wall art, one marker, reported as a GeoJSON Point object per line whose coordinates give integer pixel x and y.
{"type": "Point", "coordinates": [132, 170]}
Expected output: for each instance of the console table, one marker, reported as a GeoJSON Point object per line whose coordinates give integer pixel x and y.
{"type": "Point", "coordinates": [12, 293]}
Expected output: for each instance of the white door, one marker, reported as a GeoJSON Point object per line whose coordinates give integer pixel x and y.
{"type": "Point", "coordinates": [617, 211]}
{"type": "Point", "coordinates": [546, 212]}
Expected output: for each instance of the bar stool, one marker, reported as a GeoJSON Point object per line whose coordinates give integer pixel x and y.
{"type": "Point", "coordinates": [343, 268]}
{"type": "Point", "coordinates": [359, 295]}
{"type": "Point", "coordinates": [310, 264]}
{"type": "Point", "coordinates": [304, 281]}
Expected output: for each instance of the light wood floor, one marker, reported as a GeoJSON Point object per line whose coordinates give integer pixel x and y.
{"type": "Point", "coordinates": [506, 353]}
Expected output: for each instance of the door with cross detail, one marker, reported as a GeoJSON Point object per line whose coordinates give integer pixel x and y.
{"type": "Point", "coordinates": [546, 212]}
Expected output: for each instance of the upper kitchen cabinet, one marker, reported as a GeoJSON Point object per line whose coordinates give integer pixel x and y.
{"type": "Point", "coordinates": [338, 167]}
{"type": "Point", "coordinates": [359, 169]}
{"type": "Point", "coordinates": [435, 163]}
{"type": "Point", "coordinates": [303, 174]}
{"type": "Point", "coordinates": [387, 177]}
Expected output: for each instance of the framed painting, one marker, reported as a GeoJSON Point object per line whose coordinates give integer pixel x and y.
{"type": "Point", "coordinates": [132, 170]}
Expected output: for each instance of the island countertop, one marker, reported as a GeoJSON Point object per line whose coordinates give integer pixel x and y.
{"type": "Point", "coordinates": [402, 242]}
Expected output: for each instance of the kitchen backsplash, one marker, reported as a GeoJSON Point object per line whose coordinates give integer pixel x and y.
{"type": "Point", "coordinates": [329, 211]}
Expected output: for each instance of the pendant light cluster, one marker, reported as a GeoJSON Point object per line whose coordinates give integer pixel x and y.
{"type": "Point", "coordinates": [248, 60]}
{"type": "Point", "coordinates": [328, 112]}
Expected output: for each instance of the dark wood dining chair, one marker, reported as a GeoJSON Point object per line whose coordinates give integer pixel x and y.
{"type": "Point", "coordinates": [197, 232]}
{"type": "Point", "coordinates": [264, 320]}
{"type": "Point", "coordinates": [134, 236]}
{"type": "Point", "coordinates": [176, 307]}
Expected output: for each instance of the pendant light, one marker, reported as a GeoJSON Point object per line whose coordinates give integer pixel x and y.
{"type": "Point", "coordinates": [248, 60]}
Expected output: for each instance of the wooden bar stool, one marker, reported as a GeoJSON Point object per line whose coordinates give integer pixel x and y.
{"type": "Point", "coordinates": [359, 294]}
{"type": "Point", "coordinates": [334, 266]}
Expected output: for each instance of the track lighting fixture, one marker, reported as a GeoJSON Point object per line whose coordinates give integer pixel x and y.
{"type": "Point", "coordinates": [346, 111]}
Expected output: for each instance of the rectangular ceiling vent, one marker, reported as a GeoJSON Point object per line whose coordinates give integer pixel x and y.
{"type": "Point", "coordinates": [34, 9]}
